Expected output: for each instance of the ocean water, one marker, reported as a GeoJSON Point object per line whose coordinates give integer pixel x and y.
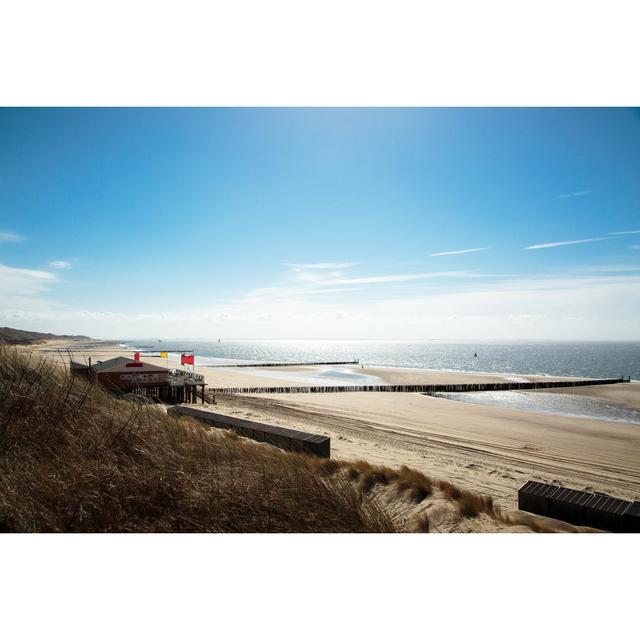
{"type": "Point", "coordinates": [583, 359]}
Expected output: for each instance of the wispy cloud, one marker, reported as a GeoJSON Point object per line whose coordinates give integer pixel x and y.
{"type": "Point", "coordinates": [623, 233]}
{"type": "Point", "coordinates": [574, 194]}
{"type": "Point", "coordinates": [455, 253]}
{"type": "Point", "coordinates": [310, 273]}
{"type": "Point", "coordinates": [620, 268]}
{"type": "Point", "coordinates": [549, 245]}
{"type": "Point", "coordinates": [321, 265]}
{"type": "Point", "coordinates": [24, 281]}
{"type": "Point", "coordinates": [8, 236]}
{"type": "Point", "coordinates": [60, 264]}
{"type": "Point", "coordinates": [269, 293]}
{"type": "Point", "coordinates": [555, 307]}
{"type": "Point", "coordinates": [332, 283]}
{"type": "Point", "coordinates": [405, 277]}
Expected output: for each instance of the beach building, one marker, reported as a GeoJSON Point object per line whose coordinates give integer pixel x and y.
{"type": "Point", "coordinates": [124, 373]}
{"type": "Point", "coordinates": [127, 375]}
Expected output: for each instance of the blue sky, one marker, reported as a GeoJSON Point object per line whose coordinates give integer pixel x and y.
{"type": "Point", "coordinates": [321, 223]}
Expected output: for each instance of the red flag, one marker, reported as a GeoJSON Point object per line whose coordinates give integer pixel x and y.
{"type": "Point", "coordinates": [136, 355]}
{"type": "Point", "coordinates": [187, 359]}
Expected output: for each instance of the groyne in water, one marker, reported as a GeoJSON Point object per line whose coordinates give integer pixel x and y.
{"type": "Point", "coordinates": [285, 364]}
{"type": "Point", "coordinates": [423, 388]}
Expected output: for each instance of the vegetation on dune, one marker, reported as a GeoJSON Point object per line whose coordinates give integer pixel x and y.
{"type": "Point", "coordinates": [73, 458]}
{"type": "Point", "coordinates": [19, 336]}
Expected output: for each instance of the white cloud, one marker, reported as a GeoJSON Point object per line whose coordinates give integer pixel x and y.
{"type": "Point", "coordinates": [455, 253]}
{"type": "Point", "coordinates": [405, 277]}
{"type": "Point", "coordinates": [8, 236]}
{"type": "Point", "coordinates": [60, 264]}
{"type": "Point", "coordinates": [574, 194]}
{"type": "Point", "coordinates": [620, 268]}
{"type": "Point", "coordinates": [554, 307]}
{"type": "Point", "coordinates": [316, 272]}
{"type": "Point", "coordinates": [321, 265]}
{"type": "Point", "coordinates": [563, 243]}
{"type": "Point", "coordinates": [24, 282]}
{"type": "Point", "coordinates": [623, 233]}
{"type": "Point", "coordinates": [314, 286]}
{"type": "Point", "coordinates": [266, 293]}
{"type": "Point", "coordinates": [313, 275]}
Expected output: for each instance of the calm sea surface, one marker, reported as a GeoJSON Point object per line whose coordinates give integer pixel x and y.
{"type": "Point", "coordinates": [590, 359]}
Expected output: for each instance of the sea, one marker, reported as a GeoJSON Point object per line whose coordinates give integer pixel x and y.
{"type": "Point", "coordinates": [582, 359]}
{"type": "Point", "coordinates": [579, 359]}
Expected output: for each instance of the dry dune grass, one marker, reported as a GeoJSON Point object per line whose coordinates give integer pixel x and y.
{"type": "Point", "coordinates": [411, 484]}
{"type": "Point", "coordinates": [74, 459]}
{"type": "Point", "coordinates": [417, 503]}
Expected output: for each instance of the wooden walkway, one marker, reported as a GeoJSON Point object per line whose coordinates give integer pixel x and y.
{"type": "Point", "coordinates": [423, 388]}
{"type": "Point", "coordinates": [282, 437]}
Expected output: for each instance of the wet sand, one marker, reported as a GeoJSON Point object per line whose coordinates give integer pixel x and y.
{"type": "Point", "coordinates": [625, 395]}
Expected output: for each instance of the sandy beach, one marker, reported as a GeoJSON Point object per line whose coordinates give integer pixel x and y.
{"type": "Point", "coordinates": [489, 449]}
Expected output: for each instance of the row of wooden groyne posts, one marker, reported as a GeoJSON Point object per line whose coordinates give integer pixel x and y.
{"type": "Point", "coordinates": [285, 364]}
{"type": "Point", "coordinates": [423, 388]}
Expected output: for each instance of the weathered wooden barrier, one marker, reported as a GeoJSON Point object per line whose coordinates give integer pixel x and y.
{"type": "Point", "coordinates": [580, 507]}
{"type": "Point", "coordinates": [282, 437]}
{"type": "Point", "coordinates": [422, 388]}
{"type": "Point", "coordinates": [285, 364]}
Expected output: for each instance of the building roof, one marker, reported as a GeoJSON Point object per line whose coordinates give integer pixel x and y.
{"type": "Point", "coordinates": [107, 364]}
{"type": "Point", "coordinates": [121, 364]}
